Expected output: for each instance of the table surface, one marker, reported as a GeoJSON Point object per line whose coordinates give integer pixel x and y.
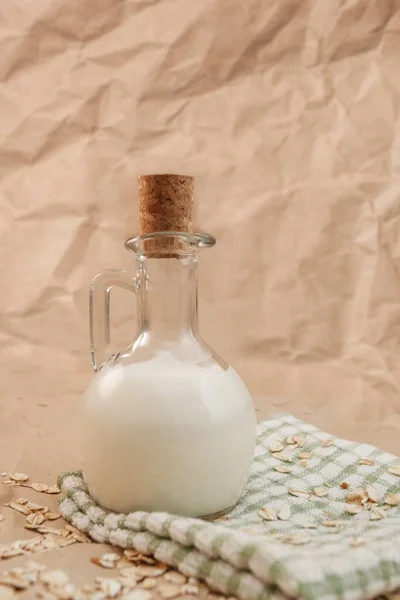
{"type": "Point", "coordinates": [40, 436]}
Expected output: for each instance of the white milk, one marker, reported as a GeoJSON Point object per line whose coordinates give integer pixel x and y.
{"type": "Point", "coordinates": [163, 435]}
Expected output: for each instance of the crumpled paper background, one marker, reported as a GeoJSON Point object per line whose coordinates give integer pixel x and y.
{"type": "Point", "coordinates": [288, 113]}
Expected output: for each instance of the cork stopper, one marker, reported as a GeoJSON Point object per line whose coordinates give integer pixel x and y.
{"type": "Point", "coordinates": [165, 203]}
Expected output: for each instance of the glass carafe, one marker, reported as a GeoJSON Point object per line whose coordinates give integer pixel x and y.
{"type": "Point", "coordinates": [168, 425]}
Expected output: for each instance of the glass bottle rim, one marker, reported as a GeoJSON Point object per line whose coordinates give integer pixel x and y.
{"type": "Point", "coordinates": [185, 240]}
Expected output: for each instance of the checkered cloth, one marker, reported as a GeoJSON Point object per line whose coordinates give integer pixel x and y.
{"type": "Point", "coordinates": [255, 559]}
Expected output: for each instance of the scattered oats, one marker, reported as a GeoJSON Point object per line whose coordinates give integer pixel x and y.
{"type": "Point", "coordinates": [111, 556]}
{"type": "Point", "coordinates": [329, 514]}
{"type": "Point", "coordinates": [327, 443]}
{"type": "Point", "coordinates": [358, 495]}
{"type": "Point", "coordinates": [1, 518]}
{"type": "Point", "coordinates": [10, 552]}
{"type": "Point", "coordinates": [39, 487]}
{"type": "Point", "coordinates": [54, 577]}
{"type": "Point", "coordinates": [354, 509]}
{"type": "Point", "coordinates": [290, 440]}
{"type": "Point", "coordinates": [356, 542]}
{"type": "Point", "coordinates": [268, 514]}
{"type": "Point", "coordinates": [4, 474]}
{"type": "Point", "coordinates": [33, 544]}
{"type": "Point", "coordinates": [137, 557]}
{"type": "Point", "coordinates": [193, 581]}
{"type": "Point", "coordinates": [52, 516]}
{"type": "Point", "coordinates": [128, 572]}
{"type": "Point", "coordinates": [10, 482]}
{"type": "Point", "coordinates": [377, 513]}
{"type": "Point", "coordinates": [33, 507]}
{"type": "Point", "coordinates": [305, 455]}
{"type": "Point", "coordinates": [148, 560]}
{"type": "Point", "coordinates": [21, 501]}
{"type": "Point", "coordinates": [131, 554]}
{"type": "Point", "coordinates": [47, 543]}
{"type": "Point", "coordinates": [62, 542]}
{"type": "Point", "coordinates": [35, 519]}
{"type": "Point", "coordinates": [303, 462]}
{"type": "Point", "coordinates": [282, 469]}
{"type": "Point", "coordinates": [276, 447]}
{"type": "Point", "coordinates": [372, 493]}
{"type": "Point", "coordinates": [168, 590]}
{"type": "Point", "coordinates": [300, 440]}
{"type": "Point", "coordinates": [77, 535]}
{"type": "Point", "coordinates": [367, 461]}
{"type": "Point", "coordinates": [34, 567]}
{"type": "Point", "coordinates": [128, 577]}
{"type": "Point", "coordinates": [19, 477]}
{"type": "Point", "coordinates": [395, 470]}
{"type": "Point", "coordinates": [73, 538]}
{"type": "Point", "coordinates": [53, 489]}
{"type": "Point", "coordinates": [6, 593]}
{"type": "Point", "coordinates": [149, 583]}
{"type": "Point", "coordinates": [190, 589]}
{"type": "Point", "coordinates": [138, 595]}
{"type": "Point", "coordinates": [28, 576]}
{"type": "Point", "coordinates": [123, 563]}
{"type": "Point", "coordinates": [18, 507]}
{"type": "Point", "coordinates": [320, 491]}
{"type": "Point", "coordinates": [14, 580]}
{"type": "Point", "coordinates": [333, 523]}
{"type": "Point", "coordinates": [344, 485]}
{"type": "Point", "coordinates": [174, 577]}
{"type": "Point", "coordinates": [297, 539]}
{"type": "Point", "coordinates": [299, 493]}
{"type": "Point", "coordinates": [111, 587]}
{"type": "Point", "coordinates": [64, 532]}
{"type": "Point", "coordinates": [50, 530]}
{"type": "Point", "coordinates": [150, 570]}
{"type": "Point", "coordinates": [393, 499]}
{"type": "Point", "coordinates": [284, 512]}
{"type": "Point", "coordinates": [65, 592]}
{"type": "Point", "coordinates": [108, 561]}
{"type": "Point", "coordinates": [71, 528]}
{"type": "Point", "coordinates": [283, 457]}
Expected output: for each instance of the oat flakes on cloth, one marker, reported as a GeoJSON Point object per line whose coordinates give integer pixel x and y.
{"type": "Point", "coordinates": [319, 520]}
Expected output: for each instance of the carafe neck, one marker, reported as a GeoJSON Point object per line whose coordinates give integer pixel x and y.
{"type": "Point", "coordinates": [168, 296]}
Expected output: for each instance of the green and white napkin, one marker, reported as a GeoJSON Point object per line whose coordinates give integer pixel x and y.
{"type": "Point", "coordinates": [318, 521]}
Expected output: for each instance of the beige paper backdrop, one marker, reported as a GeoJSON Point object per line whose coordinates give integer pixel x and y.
{"type": "Point", "coordinates": [288, 113]}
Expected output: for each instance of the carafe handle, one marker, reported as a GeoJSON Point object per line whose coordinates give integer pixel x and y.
{"type": "Point", "coordinates": [99, 312]}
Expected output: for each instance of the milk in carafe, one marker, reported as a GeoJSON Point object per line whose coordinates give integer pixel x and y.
{"type": "Point", "coordinates": [163, 435]}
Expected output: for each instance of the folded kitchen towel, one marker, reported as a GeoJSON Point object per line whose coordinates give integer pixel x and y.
{"type": "Point", "coordinates": [318, 520]}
